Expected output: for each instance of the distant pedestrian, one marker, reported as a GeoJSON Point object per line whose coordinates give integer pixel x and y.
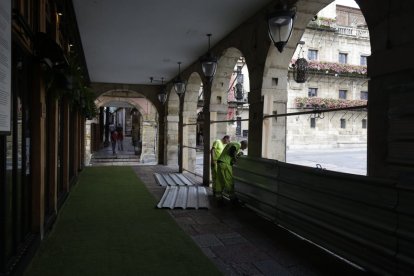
{"type": "Point", "coordinates": [114, 138]}
{"type": "Point", "coordinates": [200, 137]}
{"type": "Point", "coordinates": [120, 140]}
{"type": "Point", "coordinates": [225, 163]}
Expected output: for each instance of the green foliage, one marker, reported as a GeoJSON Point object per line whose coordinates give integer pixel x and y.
{"type": "Point", "coordinates": [335, 68]}
{"type": "Point", "coordinates": [314, 102]}
{"type": "Point", "coordinates": [69, 82]}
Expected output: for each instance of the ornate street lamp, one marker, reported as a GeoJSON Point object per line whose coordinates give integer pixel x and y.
{"type": "Point", "coordinates": [162, 97]}
{"type": "Point", "coordinates": [280, 24]}
{"type": "Point", "coordinates": [179, 84]}
{"type": "Point", "coordinates": [209, 62]}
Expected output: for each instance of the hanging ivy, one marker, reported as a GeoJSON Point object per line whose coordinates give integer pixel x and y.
{"type": "Point", "coordinates": [68, 81]}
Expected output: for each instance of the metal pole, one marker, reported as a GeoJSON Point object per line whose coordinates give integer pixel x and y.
{"type": "Point", "coordinates": [101, 124]}
{"type": "Point", "coordinates": [180, 134]}
{"type": "Point", "coordinates": [315, 111]}
{"type": "Point", "coordinates": [190, 147]}
{"type": "Point", "coordinates": [194, 124]}
{"type": "Point", "coordinates": [106, 143]}
{"type": "Point", "coordinates": [206, 132]}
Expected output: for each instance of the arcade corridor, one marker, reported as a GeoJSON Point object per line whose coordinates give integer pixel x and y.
{"type": "Point", "coordinates": [110, 217]}
{"type": "Point", "coordinates": [74, 73]}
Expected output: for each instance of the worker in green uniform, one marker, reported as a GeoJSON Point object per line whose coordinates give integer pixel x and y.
{"type": "Point", "coordinates": [225, 162]}
{"type": "Point", "coordinates": [216, 149]}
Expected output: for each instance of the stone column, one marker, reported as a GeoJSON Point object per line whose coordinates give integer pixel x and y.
{"type": "Point", "coordinates": [148, 139]}
{"type": "Point", "coordinates": [255, 124]}
{"type": "Point", "coordinates": [101, 124]}
{"type": "Point", "coordinates": [107, 122]}
{"type": "Point", "coordinates": [274, 102]}
{"type": "Point", "coordinates": [161, 140]}
{"type": "Point", "coordinates": [274, 129]}
{"type": "Point", "coordinates": [88, 151]}
{"type": "Point", "coordinates": [172, 139]}
{"type": "Point", "coordinates": [189, 153]}
{"type": "Point", "coordinates": [218, 112]}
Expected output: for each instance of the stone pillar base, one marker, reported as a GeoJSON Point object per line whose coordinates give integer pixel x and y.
{"type": "Point", "coordinates": [148, 158]}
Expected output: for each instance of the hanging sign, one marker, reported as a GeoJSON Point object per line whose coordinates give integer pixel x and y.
{"type": "Point", "coordinates": [5, 66]}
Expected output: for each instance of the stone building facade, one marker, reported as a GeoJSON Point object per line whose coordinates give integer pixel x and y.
{"type": "Point", "coordinates": [336, 45]}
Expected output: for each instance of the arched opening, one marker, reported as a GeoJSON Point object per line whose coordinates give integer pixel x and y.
{"type": "Point", "coordinates": [336, 45]}
{"type": "Point", "coordinates": [337, 77]}
{"type": "Point", "coordinates": [228, 80]}
{"type": "Point", "coordinates": [192, 132]}
{"type": "Point", "coordinates": [229, 97]}
{"type": "Point", "coordinates": [135, 120]}
{"type": "Point", "coordinates": [237, 100]}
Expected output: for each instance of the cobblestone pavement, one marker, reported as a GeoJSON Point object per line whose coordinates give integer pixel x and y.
{"type": "Point", "coordinates": [240, 242]}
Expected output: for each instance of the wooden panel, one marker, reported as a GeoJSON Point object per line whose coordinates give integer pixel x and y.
{"type": "Point", "coordinates": [366, 220]}
{"type": "Point", "coordinates": [401, 124]}
{"type": "Point", "coordinates": [405, 231]}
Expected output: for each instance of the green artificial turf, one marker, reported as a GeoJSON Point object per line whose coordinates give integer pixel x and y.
{"type": "Point", "coordinates": [109, 226]}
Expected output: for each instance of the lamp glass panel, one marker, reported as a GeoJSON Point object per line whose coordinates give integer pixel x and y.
{"type": "Point", "coordinates": [162, 97]}
{"type": "Point", "coordinates": [209, 68]}
{"type": "Point", "coordinates": [280, 28]}
{"type": "Point", "coordinates": [179, 87]}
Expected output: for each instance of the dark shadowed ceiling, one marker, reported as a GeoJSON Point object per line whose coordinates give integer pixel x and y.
{"type": "Point", "coordinates": [128, 41]}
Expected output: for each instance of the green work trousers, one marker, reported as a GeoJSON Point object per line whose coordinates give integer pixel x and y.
{"type": "Point", "coordinates": [224, 180]}
{"type": "Point", "coordinates": [214, 175]}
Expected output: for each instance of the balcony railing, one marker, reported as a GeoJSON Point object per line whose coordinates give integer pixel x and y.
{"type": "Point", "coordinates": [343, 30]}
{"type": "Point", "coordinates": [353, 31]}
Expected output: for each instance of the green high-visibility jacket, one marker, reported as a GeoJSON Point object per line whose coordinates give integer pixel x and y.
{"type": "Point", "coordinates": [229, 153]}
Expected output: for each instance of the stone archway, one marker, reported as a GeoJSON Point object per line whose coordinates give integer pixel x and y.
{"type": "Point", "coordinates": [274, 83]}
{"type": "Point", "coordinates": [143, 123]}
{"type": "Point", "coordinates": [190, 117]}
{"type": "Point", "coordinates": [220, 90]}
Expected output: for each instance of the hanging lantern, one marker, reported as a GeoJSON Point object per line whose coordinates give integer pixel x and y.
{"type": "Point", "coordinates": [209, 62]}
{"type": "Point", "coordinates": [280, 26]}
{"type": "Point", "coordinates": [162, 97]}
{"type": "Point", "coordinates": [300, 70]}
{"type": "Point", "coordinates": [238, 92]}
{"type": "Point", "coordinates": [179, 83]}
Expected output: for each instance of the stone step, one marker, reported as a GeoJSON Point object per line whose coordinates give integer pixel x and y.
{"type": "Point", "coordinates": [99, 160]}
{"type": "Point", "coordinates": [112, 156]}
{"type": "Point", "coordinates": [115, 164]}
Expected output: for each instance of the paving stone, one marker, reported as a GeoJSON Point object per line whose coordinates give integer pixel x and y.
{"type": "Point", "coordinates": [208, 240]}
{"type": "Point", "coordinates": [188, 229]}
{"type": "Point", "coordinates": [206, 219]}
{"type": "Point", "coordinates": [239, 253]}
{"type": "Point", "coordinates": [231, 238]}
{"type": "Point", "coordinates": [270, 267]}
{"type": "Point", "coordinates": [185, 220]}
{"type": "Point", "coordinates": [233, 223]}
{"type": "Point", "coordinates": [207, 251]}
{"type": "Point", "coordinates": [182, 213]}
{"type": "Point", "coordinates": [224, 268]}
{"type": "Point", "coordinates": [246, 269]}
{"type": "Point", "coordinates": [298, 270]}
{"type": "Point", "coordinates": [215, 228]}
{"type": "Point", "coordinates": [239, 242]}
